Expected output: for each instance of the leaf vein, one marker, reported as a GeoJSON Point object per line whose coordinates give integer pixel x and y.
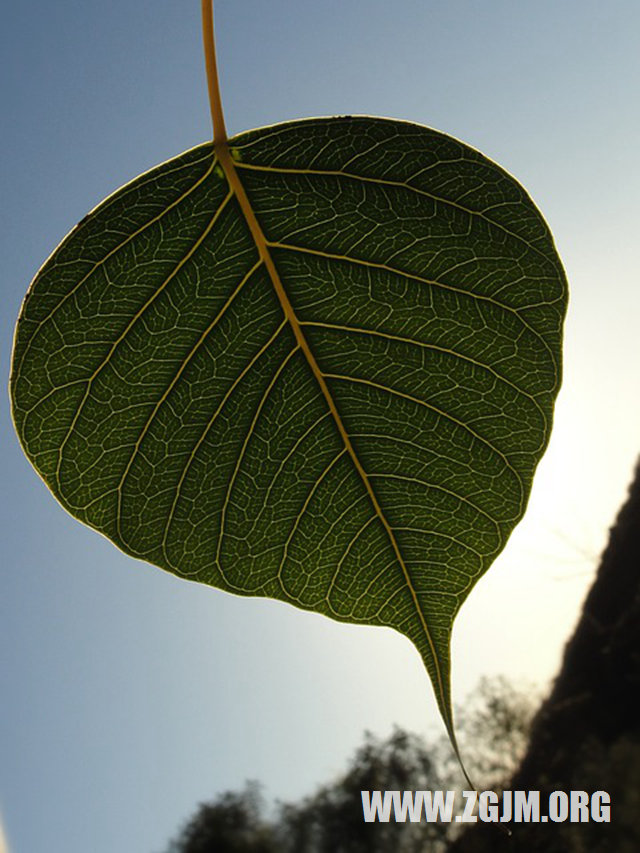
{"type": "Point", "coordinates": [183, 366]}
{"type": "Point", "coordinates": [399, 185]}
{"type": "Point", "coordinates": [443, 414]}
{"type": "Point", "coordinates": [434, 348]}
{"type": "Point", "coordinates": [243, 449]}
{"type": "Point", "coordinates": [109, 255]}
{"type": "Point", "coordinates": [129, 326]}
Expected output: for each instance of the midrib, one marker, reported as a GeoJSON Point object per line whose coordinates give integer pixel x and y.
{"type": "Point", "coordinates": [226, 161]}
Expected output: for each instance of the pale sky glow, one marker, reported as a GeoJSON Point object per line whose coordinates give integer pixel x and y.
{"type": "Point", "coordinates": [129, 696]}
{"type": "Point", "coordinates": [3, 840]}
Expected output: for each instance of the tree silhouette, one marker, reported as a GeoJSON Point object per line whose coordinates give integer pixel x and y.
{"type": "Point", "coordinates": [231, 824]}
{"type": "Point", "coordinates": [585, 736]}
{"type": "Point", "coordinates": [331, 820]}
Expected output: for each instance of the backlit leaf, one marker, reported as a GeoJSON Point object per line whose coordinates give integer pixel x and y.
{"type": "Point", "coordinates": [318, 365]}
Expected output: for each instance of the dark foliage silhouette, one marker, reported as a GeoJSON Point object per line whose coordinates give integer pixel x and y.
{"type": "Point", "coordinates": [330, 821]}
{"type": "Point", "coordinates": [584, 736]}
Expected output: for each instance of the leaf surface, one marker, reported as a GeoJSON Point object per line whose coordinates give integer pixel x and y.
{"type": "Point", "coordinates": [318, 365]}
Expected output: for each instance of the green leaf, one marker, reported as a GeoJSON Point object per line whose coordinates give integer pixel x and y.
{"type": "Point", "coordinates": [317, 365]}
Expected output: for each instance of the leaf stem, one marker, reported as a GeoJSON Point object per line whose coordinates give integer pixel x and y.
{"type": "Point", "coordinates": [215, 102]}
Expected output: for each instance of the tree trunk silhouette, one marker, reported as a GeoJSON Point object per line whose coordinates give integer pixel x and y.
{"type": "Point", "coordinates": [586, 734]}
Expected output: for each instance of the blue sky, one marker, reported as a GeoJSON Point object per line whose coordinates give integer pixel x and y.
{"type": "Point", "coordinates": [128, 696]}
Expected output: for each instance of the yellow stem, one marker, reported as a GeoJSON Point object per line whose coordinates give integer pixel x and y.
{"type": "Point", "coordinates": [215, 102]}
{"type": "Point", "coordinates": [226, 161]}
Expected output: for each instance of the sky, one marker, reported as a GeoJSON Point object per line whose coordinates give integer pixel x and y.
{"type": "Point", "coordinates": [129, 695]}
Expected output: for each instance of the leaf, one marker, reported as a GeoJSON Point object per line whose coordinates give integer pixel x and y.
{"type": "Point", "coordinates": [318, 365]}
